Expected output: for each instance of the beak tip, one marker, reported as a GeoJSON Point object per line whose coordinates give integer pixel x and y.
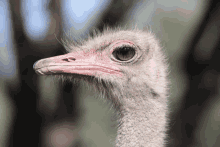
{"type": "Point", "coordinates": [34, 66]}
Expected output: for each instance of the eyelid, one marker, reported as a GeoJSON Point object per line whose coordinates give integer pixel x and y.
{"type": "Point", "coordinates": [124, 45]}
{"type": "Point", "coordinates": [121, 43]}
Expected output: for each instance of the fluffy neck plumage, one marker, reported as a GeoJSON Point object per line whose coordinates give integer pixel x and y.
{"type": "Point", "coordinates": [143, 118]}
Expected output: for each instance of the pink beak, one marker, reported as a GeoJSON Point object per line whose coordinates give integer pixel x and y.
{"type": "Point", "coordinates": [85, 63]}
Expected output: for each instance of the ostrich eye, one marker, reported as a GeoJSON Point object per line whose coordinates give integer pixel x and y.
{"type": "Point", "coordinates": [124, 53]}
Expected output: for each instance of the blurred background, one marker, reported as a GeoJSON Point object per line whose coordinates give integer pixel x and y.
{"type": "Point", "coordinates": [43, 112]}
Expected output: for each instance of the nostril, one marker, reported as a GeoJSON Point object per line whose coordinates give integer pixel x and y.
{"type": "Point", "coordinates": [68, 59]}
{"type": "Point", "coordinates": [72, 58]}
{"type": "Point", "coordinates": [65, 60]}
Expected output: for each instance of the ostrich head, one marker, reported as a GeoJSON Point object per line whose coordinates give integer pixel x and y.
{"type": "Point", "coordinates": [130, 66]}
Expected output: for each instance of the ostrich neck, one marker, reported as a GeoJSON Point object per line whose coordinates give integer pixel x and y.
{"type": "Point", "coordinates": [143, 121]}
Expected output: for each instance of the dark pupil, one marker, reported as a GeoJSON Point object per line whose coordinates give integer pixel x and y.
{"type": "Point", "coordinates": [124, 53]}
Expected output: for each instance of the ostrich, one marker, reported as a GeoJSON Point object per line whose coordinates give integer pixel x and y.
{"type": "Point", "coordinates": [130, 69]}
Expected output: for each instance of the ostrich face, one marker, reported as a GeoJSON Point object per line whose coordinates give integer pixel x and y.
{"type": "Point", "coordinates": [119, 57]}
{"type": "Point", "coordinates": [129, 69]}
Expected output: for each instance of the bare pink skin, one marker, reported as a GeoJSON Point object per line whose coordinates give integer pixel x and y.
{"type": "Point", "coordinates": [86, 63]}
